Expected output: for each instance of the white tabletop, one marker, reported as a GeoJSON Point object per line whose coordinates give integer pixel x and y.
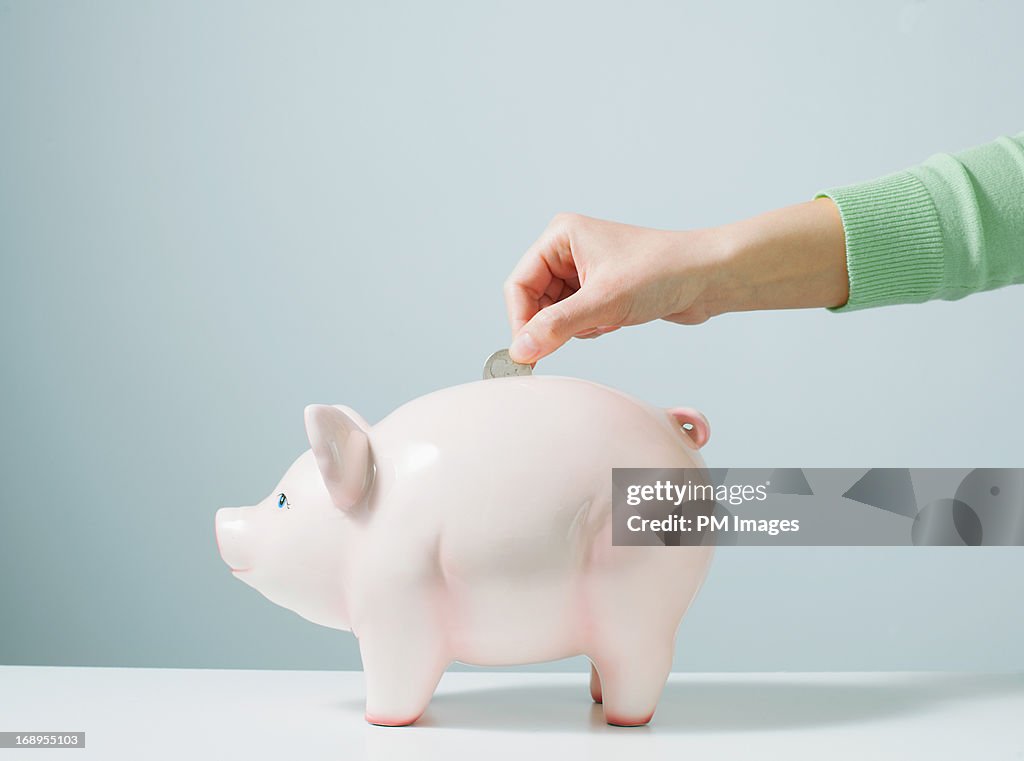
{"type": "Point", "coordinates": [231, 714]}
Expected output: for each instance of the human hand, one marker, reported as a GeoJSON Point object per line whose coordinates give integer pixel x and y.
{"type": "Point", "coordinates": [585, 277]}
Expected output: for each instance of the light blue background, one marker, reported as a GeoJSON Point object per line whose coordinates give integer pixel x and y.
{"type": "Point", "coordinates": [212, 214]}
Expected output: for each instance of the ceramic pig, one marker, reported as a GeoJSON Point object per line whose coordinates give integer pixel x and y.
{"type": "Point", "coordinates": [473, 524]}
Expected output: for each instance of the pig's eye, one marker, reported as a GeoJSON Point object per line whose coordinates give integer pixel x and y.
{"type": "Point", "coordinates": [282, 501]}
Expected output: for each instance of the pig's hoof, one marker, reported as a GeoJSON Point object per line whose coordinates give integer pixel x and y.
{"type": "Point", "coordinates": [625, 721]}
{"type": "Point", "coordinates": [387, 721]}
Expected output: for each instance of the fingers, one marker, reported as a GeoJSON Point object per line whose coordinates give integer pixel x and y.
{"type": "Point", "coordinates": [546, 302]}
{"type": "Point", "coordinates": [580, 314]}
{"type": "Point", "coordinates": [545, 274]}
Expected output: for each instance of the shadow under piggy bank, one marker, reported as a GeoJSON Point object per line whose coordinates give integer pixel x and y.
{"type": "Point", "coordinates": [717, 703]}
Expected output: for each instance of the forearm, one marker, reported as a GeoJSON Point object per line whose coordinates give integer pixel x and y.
{"type": "Point", "coordinates": [952, 226]}
{"type": "Point", "coordinates": [789, 258]}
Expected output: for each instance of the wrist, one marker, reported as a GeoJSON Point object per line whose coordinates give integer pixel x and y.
{"type": "Point", "coordinates": [702, 273]}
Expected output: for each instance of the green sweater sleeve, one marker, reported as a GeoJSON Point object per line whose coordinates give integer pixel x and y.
{"type": "Point", "coordinates": [949, 227]}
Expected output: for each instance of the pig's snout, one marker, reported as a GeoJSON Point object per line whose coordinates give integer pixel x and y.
{"type": "Point", "coordinates": [230, 530]}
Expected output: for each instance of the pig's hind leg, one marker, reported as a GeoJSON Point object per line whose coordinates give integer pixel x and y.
{"type": "Point", "coordinates": [630, 680]}
{"type": "Point", "coordinates": [628, 635]}
{"type": "Point", "coordinates": [595, 684]}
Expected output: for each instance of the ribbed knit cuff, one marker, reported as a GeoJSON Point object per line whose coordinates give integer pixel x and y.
{"type": "Point", "coordinates": [893, 241]}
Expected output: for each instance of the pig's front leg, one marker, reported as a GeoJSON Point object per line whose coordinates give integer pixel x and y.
{"type": "Point", "coordinates": [403, 660]}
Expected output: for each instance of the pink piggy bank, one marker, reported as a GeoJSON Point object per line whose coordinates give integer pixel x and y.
{"type": "Point", "coordinates": [474, 524]}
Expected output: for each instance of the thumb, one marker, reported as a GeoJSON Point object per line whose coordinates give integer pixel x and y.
{"type": "Point", "coordinates": [553, 325]}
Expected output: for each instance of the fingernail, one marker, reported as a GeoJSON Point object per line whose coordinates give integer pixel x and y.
{"type": "Point", "coordinates": [523, 349]}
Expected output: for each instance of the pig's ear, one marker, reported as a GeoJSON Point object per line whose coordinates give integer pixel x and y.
{"type": "Point", "coordinates": [342, 452]}
{"type": "Point", "coordinates": [354, 416]}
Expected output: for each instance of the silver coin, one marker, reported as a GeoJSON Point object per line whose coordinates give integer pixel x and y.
{"type": "Point", "coordinates": [500, 365]}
